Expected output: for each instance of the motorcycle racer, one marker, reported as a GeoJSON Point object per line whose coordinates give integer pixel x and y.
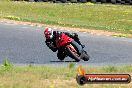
{"type": "Point", "coordinates": [51, 36]}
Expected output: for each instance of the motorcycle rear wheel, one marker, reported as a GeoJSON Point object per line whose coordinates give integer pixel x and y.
{"type": "Point", "coordinates": [61, 56]}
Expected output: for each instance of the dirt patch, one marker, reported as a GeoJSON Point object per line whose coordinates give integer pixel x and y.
{"type": "Point", "coordinates": [90, 31]}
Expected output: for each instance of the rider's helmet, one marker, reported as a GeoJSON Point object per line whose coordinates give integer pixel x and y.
{"type": "Point", "coordinates": [48, 32]}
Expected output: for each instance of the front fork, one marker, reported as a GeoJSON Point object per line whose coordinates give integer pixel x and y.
{"type": "Point", "coordinates": [77, 46]}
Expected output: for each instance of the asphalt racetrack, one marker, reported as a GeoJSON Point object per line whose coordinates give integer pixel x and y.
{"type": "Point", "coordinates": [24, 44]}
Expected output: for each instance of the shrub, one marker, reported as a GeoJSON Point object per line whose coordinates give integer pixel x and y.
{"type": "Point", "coordinates": [7, 65]}
{"type": "Point", "coordinates": [12, 17]}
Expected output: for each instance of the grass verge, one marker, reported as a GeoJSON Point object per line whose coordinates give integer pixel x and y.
{"type": "Point", "coordinates": [115, 18]}
{"type": "Point", "coordinates": [32, 76]}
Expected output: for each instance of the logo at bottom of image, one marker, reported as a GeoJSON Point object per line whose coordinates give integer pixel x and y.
{"type": "Point", "coordinates": [83, 78]}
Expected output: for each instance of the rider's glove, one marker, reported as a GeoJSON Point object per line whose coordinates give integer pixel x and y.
{"type": "Point", "coordinates": [51, 46]}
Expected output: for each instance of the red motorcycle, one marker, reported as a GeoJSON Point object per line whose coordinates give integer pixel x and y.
{"type": "Point", "coordinates": [69, 49]}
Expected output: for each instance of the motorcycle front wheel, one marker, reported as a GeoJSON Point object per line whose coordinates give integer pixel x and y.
{"type": "Point", "coordinates": [85, 56]}
{"type": "Point", "coordinates": [73, 52]}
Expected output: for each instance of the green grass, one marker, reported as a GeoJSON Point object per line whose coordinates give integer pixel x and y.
{"type": "Point", "coordinates": [115, 18]}
{"type": "Point", "coordinates": [32, 76]}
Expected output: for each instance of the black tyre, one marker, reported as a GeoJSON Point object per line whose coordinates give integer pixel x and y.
{"type": "Point", "coordinates": [73, 53]}
{"type": "Point", "coordinates": [31, 0]}
{"type": "Point", "coordinates": [56, 1]}
{"type": "Point", "coordinates": [113, 1]}
{"type": "Point", "coordinates": [85, 56]}
{"type": "Point", "coordinates": [118, 1]}
{"type": "Point", "coordinates": [40, 0]}
{"type": "Point", "coordinates": [45, 0]}
{"type": "Point", "coordinates": [83, 1]}
{"type": "Point", "coordinates": [73, 1]}
{"type": "Point", "coordinates": [130, 2]}
{"type": "Point", "coordinates": [123, 2]}
{"type": "Point", "coordinates": [63, 1]}
{"type": "Point", "coordinates": [61, 56]}
{"type": "Point", "coordinates": [127, 2]}
{"type": "Point", "coordinates": [103, 1]}
{"type": "Point", "coordinates": [35, 0]}
{"type": "Point", "coordinates": [81, 80]}
{"type": "Point", "coordinates": [93, 1]}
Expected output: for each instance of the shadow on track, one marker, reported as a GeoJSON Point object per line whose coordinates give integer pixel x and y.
{"type": "Point", "coordinates": [62, 61]}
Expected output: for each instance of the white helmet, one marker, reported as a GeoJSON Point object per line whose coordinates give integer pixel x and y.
{"type": "Point", "coordinates": [48, 32]}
